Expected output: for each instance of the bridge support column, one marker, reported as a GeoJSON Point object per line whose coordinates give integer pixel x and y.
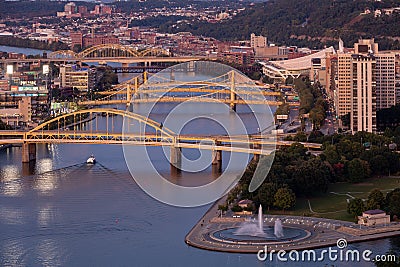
{"type": "Point", "coordinates": [175, 158]}
{"type": "Point", "coordinates": [216, 170]}
{"type": "Point", "coordinates": [232, 104]}
{"type": "Point", "coordinates": [125, 65]}
{"type": "Point", "coordinates": [136, 89]}
{"type": "Point", "coordinates": [28, 168]}
{"type": "Point", "coordinates": [28, 152]}
{"type": "Point", "coordinates": [144, 76]}
{"type": "Point", "coordinates": [128, 94]}
{"type": "Point", "coordinates": [217, 155]}
{"type": "Point", "coordinates": [256, 157]}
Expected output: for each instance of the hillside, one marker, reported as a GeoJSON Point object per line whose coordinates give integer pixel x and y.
{"type": "Point", "coordinates": [305, 22]}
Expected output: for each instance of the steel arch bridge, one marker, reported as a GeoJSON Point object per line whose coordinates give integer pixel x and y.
{"type": "Point", "coordinates": [83, 127]}
{"type": "Point", "coordinates": [110, 51]}
{"type": "Point", "coordinates": [230, 88]}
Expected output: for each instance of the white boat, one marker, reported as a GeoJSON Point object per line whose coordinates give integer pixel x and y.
{"type": "Point", "coordinates": [91, 160]}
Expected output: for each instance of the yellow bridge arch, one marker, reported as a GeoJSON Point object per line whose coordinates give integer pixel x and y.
{"type": "Point", "coordinates": [110, 50]}
{"type": "Point", "coordinates": [61, 121]}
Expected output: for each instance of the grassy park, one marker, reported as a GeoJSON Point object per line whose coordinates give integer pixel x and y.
{"type": "Point", "coordinates": [333, 204]}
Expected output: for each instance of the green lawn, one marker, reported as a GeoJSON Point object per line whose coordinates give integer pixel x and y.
{"type": "Point", "coordinates": [334, 206]}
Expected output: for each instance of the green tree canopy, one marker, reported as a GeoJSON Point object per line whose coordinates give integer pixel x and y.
{"type": "Point", "coordinates": [285, 198]}
{"type": "Point", "coordinates": [376, 200]}
{"type": "Point", "coordinates": [355, 207]}
{"type": "Point", "coordinates": [358, 170]}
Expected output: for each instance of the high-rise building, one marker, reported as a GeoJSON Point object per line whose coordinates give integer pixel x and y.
{"type": "Point", "coordinates": [385, 76]}
{"type": "Point", "coordinates": [397, 79]}
{"type": "Point", "coordinates": [344, 84]}
{"type": "Point", "coordinates": [258, 41]}
{"type": "Point", "coordinates": [366, 82]}
{"type": "Point", "coordinates": [363, 93]}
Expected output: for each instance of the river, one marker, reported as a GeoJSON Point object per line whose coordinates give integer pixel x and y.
{"type": "Point", "coordinates": [22, 50]}
{"type": "Point", "coordinates": [69, 213]}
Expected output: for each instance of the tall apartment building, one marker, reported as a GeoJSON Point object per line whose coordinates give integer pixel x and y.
{"type": "Point", "coordinates": [397, 70]}
{"type": "Point", "coordinates": [385, 76]}
{"type": "Point", "coordinates": [258, 41]}
{"type": "Point", "coordinates": [366, 82]}
{"type": "Point", "coordinates": [344, 84]}
{"type": "Point", "coordinates": [363, 93]}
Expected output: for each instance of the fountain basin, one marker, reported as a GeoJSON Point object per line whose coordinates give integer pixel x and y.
{"type": "Point", "coordinates": [230, 235]}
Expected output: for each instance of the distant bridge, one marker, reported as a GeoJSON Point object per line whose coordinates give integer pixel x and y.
{"type": "Point", "coordinates": [110, 53]}
{"type": "Point", "coordinates": [229, 88]}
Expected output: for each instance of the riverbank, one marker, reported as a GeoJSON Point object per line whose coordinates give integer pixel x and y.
{"type": "Point", "coordinates": [320, 232]}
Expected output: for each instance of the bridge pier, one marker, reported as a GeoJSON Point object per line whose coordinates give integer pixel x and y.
{"type": "Point", "coordinates": [124, 65]}
{"type": "Point", "coordinates": [28, 152]}
{"type": "Point", "coordinates": [175, 157]}
{"type": "Point", "coordinates": [28, 168]}
{"type": "Point", "coordinates": [256, 157]}
{"type": "Point", "coordinates": [217, 155]}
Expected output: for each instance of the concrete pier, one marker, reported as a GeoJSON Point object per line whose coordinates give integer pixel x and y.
{"type": "Point", "coordinates": [256, 157]}
{"type": "Point", "coordinates": [175, 157]}
{"type": "Point", "coordinates": [216, 156]}
{"type": "Point", "coordinates": [28, 152]}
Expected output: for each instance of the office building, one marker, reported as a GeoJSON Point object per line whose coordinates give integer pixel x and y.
{"type": "Point", "coordinates": [258, 41]}
{"type": "Point", "coordinates": [80, 78]}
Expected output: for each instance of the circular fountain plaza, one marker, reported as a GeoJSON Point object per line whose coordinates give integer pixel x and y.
{"type": "Point", "coordinates": [259, 231]}
{"type": "Point", "coordinates": [277, 232]}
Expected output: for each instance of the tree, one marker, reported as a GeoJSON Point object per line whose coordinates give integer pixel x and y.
{"type": "Point", "coordinates": [345, 119]}
{"type": "Point", "coordinates": [223, 208]}
{"type": "Point", "coordinates": [392, 202]}
{"type": "Point", "coordinates": [357, 170]}
{"type": "Point", "coordinates": [310, 177]}
{"type": "Point", "coordinates": [379, 164]}
{"type": "Point", "coordinates": [236, 208]}
{"type": "Point", "coordinates": [355, 207]}
{"type": "Point", "coordinates": [376, 200]}
{"type": "Point", "coordinates": [285, 198]}
{"type": "Point", "coordinates": [266, 194]}
{"type": "Point", "coordinates": [331, 154]}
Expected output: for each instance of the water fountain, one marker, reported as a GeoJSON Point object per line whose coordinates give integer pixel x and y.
{"type": "Point", "coordinates": [250, 228]}
{"type": "Point", "coordinates": [260, 219]}
{"type": "Point", "coordinates": [253, 231]}
{"type": "Point", "coordinates": [278, 229]}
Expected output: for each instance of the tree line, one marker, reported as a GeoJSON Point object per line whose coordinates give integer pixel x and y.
{"type": "Point", "coordinates": [20, 42]}
{"type": "Point", "coordinates": [295, 172]}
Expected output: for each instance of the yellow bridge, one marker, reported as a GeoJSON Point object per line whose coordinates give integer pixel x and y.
{"type": "Point", "coordinates": [163, 87]}
{"type": "Point", "coordinates": [100, 126]}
